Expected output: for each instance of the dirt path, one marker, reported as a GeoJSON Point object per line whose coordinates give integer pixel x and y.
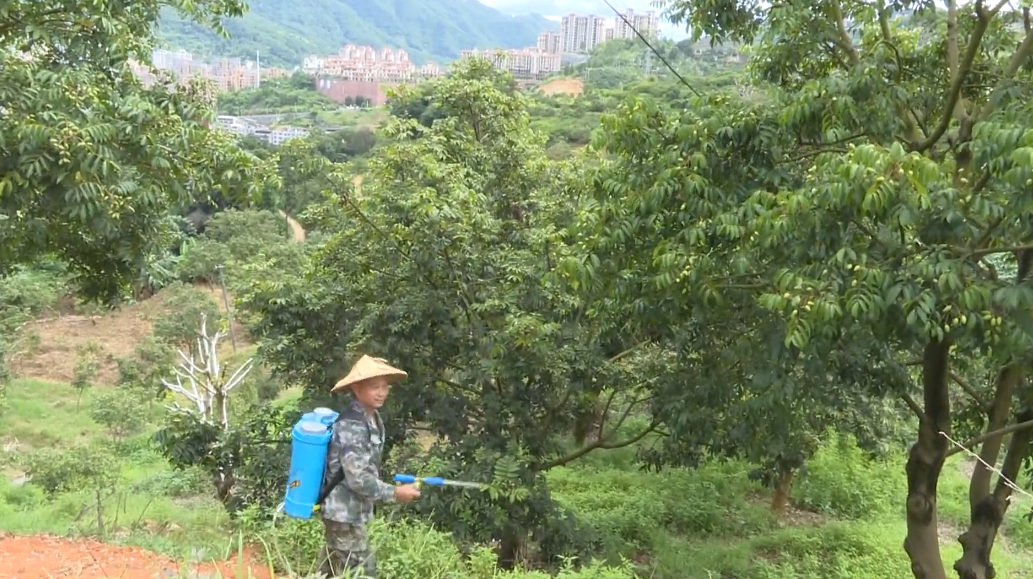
{"type": "Point", "coordinates": [46, 557]}
{"type": "Point", "coordinates": [297, 231]}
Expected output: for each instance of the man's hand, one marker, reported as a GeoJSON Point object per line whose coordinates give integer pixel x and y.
{"type": "Point", "coordinates": [406, 493]}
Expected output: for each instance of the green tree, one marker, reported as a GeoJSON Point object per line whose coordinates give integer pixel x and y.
{"type": "Point", "coordinates": [188, 307]}
{"type": "Point", "coordinates": [878, 192]}
{"type": "Point", "coordinates": [87, 367]}
{"type": "Point", "coordinates": [119, 410]}
{"type": "Point", "coordinates": [91, 160]}
{"type": "Point", "coordinates": [92, 468]}
{"type": "Point", "coordinates": [447, 263]}
{"type": "Point", "coordinates": [297, 93]}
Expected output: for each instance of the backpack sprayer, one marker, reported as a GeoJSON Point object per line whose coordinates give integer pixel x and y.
{"type": "Point", "coordinates": [310, 441]}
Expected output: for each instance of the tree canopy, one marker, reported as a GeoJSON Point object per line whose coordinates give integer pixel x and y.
{"type": "Point", "coordinates": [713, 276]}
{"type": "Point", "coordinates": [877, 193]}
{"type": "Point", "coordinates": [90, 159]}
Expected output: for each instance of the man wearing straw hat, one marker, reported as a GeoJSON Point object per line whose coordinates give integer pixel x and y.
{"type": "Point", "coordinates": [352, 479]}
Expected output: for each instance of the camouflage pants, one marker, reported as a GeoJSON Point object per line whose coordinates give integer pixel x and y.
{"type": "Point", "coordinates": [346, 553]}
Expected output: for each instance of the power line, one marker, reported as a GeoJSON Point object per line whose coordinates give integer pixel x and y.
{"type": "Point", "coordinates": [653, 50]}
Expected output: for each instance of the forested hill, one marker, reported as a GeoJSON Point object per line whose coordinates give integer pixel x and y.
{"type": "Point", "coordinates": [284, 31]}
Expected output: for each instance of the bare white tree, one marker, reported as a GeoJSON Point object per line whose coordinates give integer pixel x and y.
{"type": "Point", "coordinates": [203, 381]}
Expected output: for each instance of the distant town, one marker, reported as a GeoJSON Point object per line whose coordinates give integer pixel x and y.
{"type": "Point", "coordinates": [226, 74]}
{"type": "Point", "coordinates": [364, 73]}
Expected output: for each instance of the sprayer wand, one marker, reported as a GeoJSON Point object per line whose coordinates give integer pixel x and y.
{"type": "Point", "coordinates": [436, 481]}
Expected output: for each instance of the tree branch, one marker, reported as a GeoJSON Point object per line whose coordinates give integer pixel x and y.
{"type": "Point", "coordinates": [628, 351]}
{"type": "Point", "coordinates": [979, 485]}
{"type": "Point", "coordinates": [988, 435]}
{"type": "Point", "coordinates": [914, 406]}
{"type": "Point", "coordinates": [844, 41]}
{"type": "Point", "coordinates": [1018, 58]}
{"type": "Point", "coordinates": [598, 444]}
{"type": "Point", "coordinates": [958, 75]}
{"type": "Point", "coordinates": [985, 251]}
{"type": "Point", "coordinates": [631, 439]}
{"type": "Point", "coordinates": [884, 23]}
{"type": "Point", "coordinates": [959, 381]}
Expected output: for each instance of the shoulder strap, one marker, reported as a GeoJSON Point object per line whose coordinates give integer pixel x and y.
{"type": "Point", "coordinates": [338, 477]}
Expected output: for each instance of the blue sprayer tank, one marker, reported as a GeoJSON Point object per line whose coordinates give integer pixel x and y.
{"type": "Point", "coordinates": [310, 439]}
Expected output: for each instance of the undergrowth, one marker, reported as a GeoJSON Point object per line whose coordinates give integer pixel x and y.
{"type": "Point", "coordinates": [845, 520]}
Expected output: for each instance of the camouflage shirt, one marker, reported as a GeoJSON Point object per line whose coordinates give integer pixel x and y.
{"type": "Point", "coordinates": [356, 446]}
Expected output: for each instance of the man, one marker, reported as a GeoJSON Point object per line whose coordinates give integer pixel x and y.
{"type": "Point", "coordinates": [353, 471]}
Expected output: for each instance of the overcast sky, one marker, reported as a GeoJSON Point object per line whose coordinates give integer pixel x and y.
{"type": "Point", "coordinates": [558, 8]}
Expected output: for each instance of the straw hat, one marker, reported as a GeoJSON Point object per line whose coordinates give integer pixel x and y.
{"type": "Point", "coordinates": [368, 367]}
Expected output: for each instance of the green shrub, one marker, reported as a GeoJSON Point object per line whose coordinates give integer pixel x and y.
{"type": "Point", "coordinates": [836, 550]}
{"type": "Point", "coordinates": [33, 292]}
{"type": "Point", "coordinates": [21, 497]}
{"type": "Point", "coordinates": [174, 484]}
{"type": "Point", "coordinates": [187, 305]}
{"type": "Point", "coordinates": [843, 482]}
{"type": "Point", "coordinates": [200, 260]}
{"type": "Point", "coordinates": [628, 508]}
{"type": "Point", "coordinates": [235, 240]}
{"type": "Point", "coordinates": [594, 570]}
{"type": "Point", "coordinates": [1017, 526]}
{"type": "Point", "coordinates": [118, 410]}
{"type": "Point", "coordinates": [83, 467]}
{"type": "Point", "coordinates": [406, 549]}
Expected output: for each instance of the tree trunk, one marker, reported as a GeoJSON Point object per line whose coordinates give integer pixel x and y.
{"type": "Point", "coordinates": [924, 464]}
{"type": "Point", "coordinates": [987, 509]}
{"type": "Point", "coordinates": [977, 542]}
{"type": "Point", "coordinates": [509, 547]}
{"type": "Point", "coordinates": [100, 514]}
{"type": "Point", "coordinates": [783, 484]}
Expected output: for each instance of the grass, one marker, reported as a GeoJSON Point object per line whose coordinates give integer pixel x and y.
{"type": "Point", "coordinates": [42, 414]}
{"type": "Point", "coordinates": [846, 520]}
{"type": "Point", "coordinates": [152, 507]}
{"type": "Point", "coordinates": [354, 117]}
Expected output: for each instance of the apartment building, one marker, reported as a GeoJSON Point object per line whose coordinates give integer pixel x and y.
{"type": "Point", "coordinates": [365, 72]}
{"type": "Point", "coordinates": [581, 34]}
{"type": "Point", "coordinates": [235, 125]}
{"type": "Point", "coordinates": [226, 74]}
{"type": "Point", "coordinates": [550, 42]}
{"type": "Point", "coordinates": [365, 63]}
{"type": "Point", "coordinates": [647, 24]}
{"type": "Point", "coordinates": [527, 64]}
{"type": "Point", "coordinates": [244, 128]}
{"type": "Point", "coordinates": [280, 135]}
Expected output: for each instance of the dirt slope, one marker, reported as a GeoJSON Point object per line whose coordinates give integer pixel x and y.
{"type": "Point", "coordinates": [117, 333]}
{"type": "Point", "coordinates": [46, 557]}
{"type": "Point", "coordinates": [570, 86]}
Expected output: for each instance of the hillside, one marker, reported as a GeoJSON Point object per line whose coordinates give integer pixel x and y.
{"type": "Point", "coordinates": [284, 31]}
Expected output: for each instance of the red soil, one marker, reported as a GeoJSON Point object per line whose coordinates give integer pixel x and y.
{"type": "Point", "coordinates": [45, 557]}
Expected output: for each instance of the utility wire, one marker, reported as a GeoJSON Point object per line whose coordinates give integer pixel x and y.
{"type": "Point", "coordinates": [653, 50]}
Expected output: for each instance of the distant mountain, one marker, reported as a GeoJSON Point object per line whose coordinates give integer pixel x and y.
{"type": "Point", "coordinates": [284, 31]}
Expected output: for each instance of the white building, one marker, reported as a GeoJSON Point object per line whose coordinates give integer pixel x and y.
{"type": "Point", "coordinates": [312, 63]}
{"type": "Point", "coordinates": [244, 128]}
{"type": "Point", "coordinates": [647, 24]}
{"type": "Point", "coordinates": [235, 125]}
{"type": "Point", "coordinates": [582, 33]}
{"type": "Point", "coordinates": [278, 136]}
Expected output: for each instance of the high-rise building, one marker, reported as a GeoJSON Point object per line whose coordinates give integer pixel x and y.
{"type": "Point", "coordinates": [527, 64]}
{"type": "Point", "coordinates": [550, 42]}
{"type": "Point", "coordinates": [582, 33]}
{"type": "Point", "coordinates": [647, 24]}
